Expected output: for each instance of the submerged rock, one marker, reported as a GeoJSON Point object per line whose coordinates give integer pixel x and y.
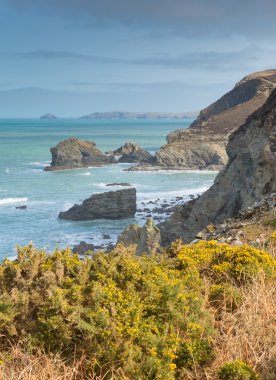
{"type": "Point", "coordinates": [74, 153]}
{"type": "Point", "coordinates": [110, 205]}
{"type": "Point", "coordinates": [133, 153]}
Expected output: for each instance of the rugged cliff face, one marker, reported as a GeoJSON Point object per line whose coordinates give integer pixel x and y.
{"type": "Point", "coordinates": [249, 176]}
{"type": "Point", "coordinates": [202, 146]}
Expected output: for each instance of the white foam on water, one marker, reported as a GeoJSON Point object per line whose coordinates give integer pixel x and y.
{"type": "Point", "coordinates": [170, 194]}
{"type": "Point", "coordinates": [8, 201]}
{"type": "Point", "coordinates": [39, 164]}
{"type": "Point", "coordinates": [66, 206]}
{"type": "Point", "coordinates": [86, 173]}
{"type": "Point", "coordinates": [7, 170]}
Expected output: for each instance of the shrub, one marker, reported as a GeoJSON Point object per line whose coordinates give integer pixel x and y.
{"type": "Point", "coordinates": [145, 316]}
{"type": "Point", "coordinates": [132, 312]}
{"type": "Point", "coordinates": [224, 263]}
{"type": "Point", "coordinates": [237, 370]}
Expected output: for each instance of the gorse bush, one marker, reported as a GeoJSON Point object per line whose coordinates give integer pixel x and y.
{"type": "Point", "coordinates": [237, 370]}
{"type": "Point", "coordinates": [145, 315]}
{"type": "Point", "coordinates": [224, 263]}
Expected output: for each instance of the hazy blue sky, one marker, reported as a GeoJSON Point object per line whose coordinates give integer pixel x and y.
{"type": "Point", "coordinates": [73, 57]}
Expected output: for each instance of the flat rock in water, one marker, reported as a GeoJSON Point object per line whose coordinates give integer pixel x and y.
{"type": "Point", "coordinates": [110, 205]}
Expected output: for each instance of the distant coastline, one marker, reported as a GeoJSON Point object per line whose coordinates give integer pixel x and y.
{"type": "Point", "coordinates": [129, 116]}
{"type": "Point", "coordinates": [140, 115]}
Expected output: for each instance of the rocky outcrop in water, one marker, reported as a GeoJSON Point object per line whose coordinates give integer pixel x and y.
{"type": "Point", "coordinates": [249, 176]}
{"type": "Point", "coordinates": [147, 238]}
{"type": "Point", "coordinates": [74, 153]}
{"type": "Point", "coordinates": [202, 146]}
{"type": "Point", "coordinates": [110, 205]}
{"type": "Point", "coordinates": [133, 153]}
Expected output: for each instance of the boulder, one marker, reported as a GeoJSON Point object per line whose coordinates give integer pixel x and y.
{"type": "Point", "coordinates": [74, 153]}
{"type": "Point", "coordinates": [110, 205]}
{"type": "Point", "coordinates": [249, 176]}
{"type": "Point", "coordinates": [133, 153]}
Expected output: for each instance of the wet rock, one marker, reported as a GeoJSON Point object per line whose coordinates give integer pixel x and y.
{"type": "Point", "coordinates": [21, 207]}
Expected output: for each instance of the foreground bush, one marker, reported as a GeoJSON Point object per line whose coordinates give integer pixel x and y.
{"type": "Point", "coordinates": [237, 371]}
{"type": "Point", "coordinates": [146, 317]}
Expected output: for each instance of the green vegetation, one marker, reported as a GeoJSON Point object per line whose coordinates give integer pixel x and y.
{"type": "Point", "coordinates": [148, 316]}
{"type": "Point", "coordinates": [237, 371]}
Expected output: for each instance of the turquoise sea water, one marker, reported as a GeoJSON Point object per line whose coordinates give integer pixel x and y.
{"type": "Point", "coordinates": [24, 152]}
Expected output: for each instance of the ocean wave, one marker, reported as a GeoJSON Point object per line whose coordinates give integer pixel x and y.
{"type": "Point", "coordinates": [8, 201]}
{"type": "Point", "coordinates": [39, 164]}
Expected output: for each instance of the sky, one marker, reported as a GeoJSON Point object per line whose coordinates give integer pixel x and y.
{"type": "Point", "coordinates": [75, 57]}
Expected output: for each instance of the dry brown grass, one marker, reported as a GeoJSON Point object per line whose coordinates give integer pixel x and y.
{"type": "Point", "coordinates": [249, 333]}
{"type": "Point", "coordinates": [18, 365]}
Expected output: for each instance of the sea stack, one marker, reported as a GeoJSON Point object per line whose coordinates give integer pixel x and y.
{"type": "Point", "coordinates": [74, 153]}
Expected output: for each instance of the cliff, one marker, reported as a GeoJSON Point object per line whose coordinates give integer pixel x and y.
{"type": "Point", "coordinates": [249, 176]}
{"type": "Point", "coordinates": [202, 146]}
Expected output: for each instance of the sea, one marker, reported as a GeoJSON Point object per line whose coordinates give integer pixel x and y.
{"type": "Point", "coordinates": [25, 151]}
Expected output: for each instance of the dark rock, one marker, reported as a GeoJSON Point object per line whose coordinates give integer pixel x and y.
{"type": "Point", "coordinates": [106, 237]}
{"type": "Point", "coordinates": [21, 207]}
{"type": "Point", "coordinates": [83, 247]}
{"type": "Point", "coordinates": [74, 153]}
{"type": "Point", "coordinates": [110, 205]}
